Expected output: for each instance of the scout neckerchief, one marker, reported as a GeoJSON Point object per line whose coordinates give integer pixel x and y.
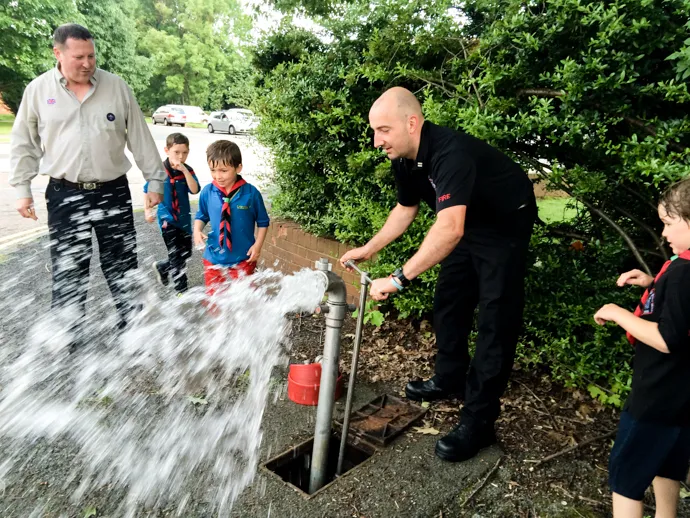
{"type": "Point", "coordinates": [172, 178]}
{"type": "Point", "coordinates": [225, 235]}
{"type": "Point", "coordinates": [639, 310]}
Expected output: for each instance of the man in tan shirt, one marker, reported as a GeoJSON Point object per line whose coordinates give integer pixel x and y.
{"type": "Point", "coordinates": [72, 125]}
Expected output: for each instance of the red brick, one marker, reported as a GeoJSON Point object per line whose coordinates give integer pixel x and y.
{"type": "Point", "coordinates": [303, 239]}
{"type": "Point", "coordinates": [342, 249]}
{"type": "Point", "coordinates": [302, 252]}
{"type": "Point", "coordinates": [311, 244]}
{"type": "Point", "coordinates": [303, 262]}
{"type": "Point", "coordinates": [293, 235]}
{"type": "Point", "coordinates": [290, 247]}
{"type": "Point", "coordinates": [313, 255]}
{"type": "Point", "coordinates": [323, 245]}
{"type": "Point", "coordinates": [332, 248]}
{"type": "Point", "coordinates": [281, 232]}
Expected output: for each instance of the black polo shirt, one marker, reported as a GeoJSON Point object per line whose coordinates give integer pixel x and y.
{"type": "Point", "coordinates": [661, 381]}
{"type": "Point", "coordinates": [454, 168]}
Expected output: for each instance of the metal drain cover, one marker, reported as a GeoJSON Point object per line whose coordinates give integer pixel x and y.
{"type": "Point", "coordinates": [382, 419]}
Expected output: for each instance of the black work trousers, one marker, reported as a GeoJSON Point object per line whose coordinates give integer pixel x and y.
{"type": "Point", "coordinates": [486, 271]}
{"type": "Point", "coordinates": [72, 215]}
{"type": "Point", "coordinates": [179, 245]}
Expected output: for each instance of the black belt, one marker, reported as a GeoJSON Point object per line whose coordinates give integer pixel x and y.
{"type": "Point", "coordinates": [90, 186]}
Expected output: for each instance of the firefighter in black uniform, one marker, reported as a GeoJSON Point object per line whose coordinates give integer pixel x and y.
{"type": "Point", "coordinates": [485, 211]}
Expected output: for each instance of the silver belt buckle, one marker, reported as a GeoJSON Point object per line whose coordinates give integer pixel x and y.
{"type": "Point", "coordinates": [89, 186]}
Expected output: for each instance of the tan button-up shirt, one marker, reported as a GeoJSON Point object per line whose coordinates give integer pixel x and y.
{"type": "Point", "coordinates": [57, 135]}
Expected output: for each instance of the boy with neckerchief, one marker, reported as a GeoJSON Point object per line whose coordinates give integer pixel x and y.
{"type": "Point", "coordinates": [652, 446]}
{"type": "Point", "coordinates": [174, 214]}
{"type": "Point", "coordinates": [235, 209]}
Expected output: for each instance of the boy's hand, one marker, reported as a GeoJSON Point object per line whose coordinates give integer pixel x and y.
{"type": "Point", "coordinates": [200, 239]}
{"type": "Point", "coordinates": [179, 167]}
{"type": "Point", "coordinates": [635, 278]}
{"type": "Point", "coordinates": [153, 198]}
{"type": "Point", "coordinates": [254, 253]}
{"type": "Point", "coordinates": [607, 313]}
{"type": "Point", "coordinates": [149, 216]}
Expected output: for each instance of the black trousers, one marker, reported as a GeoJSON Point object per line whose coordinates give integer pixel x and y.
{"type": "Point", "coordinates": [179, 245]}
{"type": "Point", "coordinates": [486, 271]}
{"type": "Point", "coordinates": [72, 215]}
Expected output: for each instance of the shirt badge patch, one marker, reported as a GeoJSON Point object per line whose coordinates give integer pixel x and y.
{"type": "Point", "coordinates": [648, 308]}
{"type": "Point", "coordinates": [51, 101]}
{"type": "Point", "coordinates": [110, 117]}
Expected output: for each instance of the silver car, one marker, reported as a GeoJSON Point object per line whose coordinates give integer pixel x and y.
{"type": "Point", "coordinates": [232, 121]}
{"type": "Point", "coordinates": [169, 115]}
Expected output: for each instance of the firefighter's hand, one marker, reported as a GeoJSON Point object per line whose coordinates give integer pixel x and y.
{"type": "Point", "coordinates": [381, 288]}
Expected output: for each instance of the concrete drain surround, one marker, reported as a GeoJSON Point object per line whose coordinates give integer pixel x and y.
{"type": "Point", "coordinates": [294, 465]}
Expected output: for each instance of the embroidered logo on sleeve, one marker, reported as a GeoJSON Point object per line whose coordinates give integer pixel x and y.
{"type": "Point", "coordinates": [110, 117]}
{"type": "Point", "coordinates": [51, 101]}
{"type": "Point", "coordinates": [443, 198]}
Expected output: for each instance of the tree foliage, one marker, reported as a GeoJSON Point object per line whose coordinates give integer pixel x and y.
{"type": "Point", "coordinates": [169, 51]}
{"type": "Point", "coordinates": [588, 94]}
{"type": "Point", "coordinates": [194, 56]}
{"type": "Point", "coordinates": [26, 29]}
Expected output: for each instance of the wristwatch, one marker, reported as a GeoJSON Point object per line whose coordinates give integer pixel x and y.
{"type": "Point", "coordinates": [400, 276]}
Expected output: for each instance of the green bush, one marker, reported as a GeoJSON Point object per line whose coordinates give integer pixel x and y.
{"type": "Point", "coordinates": [589, 94]}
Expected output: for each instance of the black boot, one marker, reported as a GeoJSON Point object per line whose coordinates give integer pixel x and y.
{"type": "Point", "coordinates": [433, 389]}
{"type": "Point", "coordinates": [464, 442]}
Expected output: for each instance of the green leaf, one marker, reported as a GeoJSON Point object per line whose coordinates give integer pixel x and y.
{"type": "Point", "coordinates": [197, 400]}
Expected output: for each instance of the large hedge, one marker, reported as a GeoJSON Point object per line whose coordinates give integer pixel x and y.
{"type": "Point", "coordinates": [591, 95]}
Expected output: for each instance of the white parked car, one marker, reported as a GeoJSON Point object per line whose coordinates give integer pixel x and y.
{"type": "Point", "coordinates": [194, 114]}
{"type": "Point", "coordinates": [233, 121]}
{"type": "Point", "coordinates": [169, 115]}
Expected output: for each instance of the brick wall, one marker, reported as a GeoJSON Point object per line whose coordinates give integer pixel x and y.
{"type": "Point", "coordinates": [287, 248]}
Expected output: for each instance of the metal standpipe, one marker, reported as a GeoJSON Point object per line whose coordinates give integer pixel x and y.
{"type": "Point", "coordinates": [335, 315]}
{"type": "Point", "coordinates": [364, 282]}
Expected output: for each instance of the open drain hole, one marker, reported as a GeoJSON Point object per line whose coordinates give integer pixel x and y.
{"type": "Point", "coordinates": [294, 465]}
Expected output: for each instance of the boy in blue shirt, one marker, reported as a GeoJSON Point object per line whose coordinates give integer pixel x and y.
{"type": "Point", "coordinates": [174, 214]}
{"type": "Point", "coordinates": [234, 208]}
{"type": "Point", "coordinates": [653, 442]}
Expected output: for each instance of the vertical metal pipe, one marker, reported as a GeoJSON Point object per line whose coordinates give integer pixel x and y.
{"type": "Point", "coordinates": [364, 283]}
{"type": "Point", "coordinates": [337, 307]}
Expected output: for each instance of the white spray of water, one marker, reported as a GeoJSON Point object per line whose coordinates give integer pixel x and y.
{"type": "Point", "coordinates": [178, 396]}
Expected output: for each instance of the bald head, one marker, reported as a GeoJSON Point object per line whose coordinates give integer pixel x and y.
{"type": "Point", "coordinates": [396, 118]}
{"type": "Point", "coordinates": [400, 101]}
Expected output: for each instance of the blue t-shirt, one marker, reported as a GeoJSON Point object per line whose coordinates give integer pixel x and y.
{"type": "Point", "coordinates": [165, 211]}
{"type": "Point", "coordinates": [247, 210]}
